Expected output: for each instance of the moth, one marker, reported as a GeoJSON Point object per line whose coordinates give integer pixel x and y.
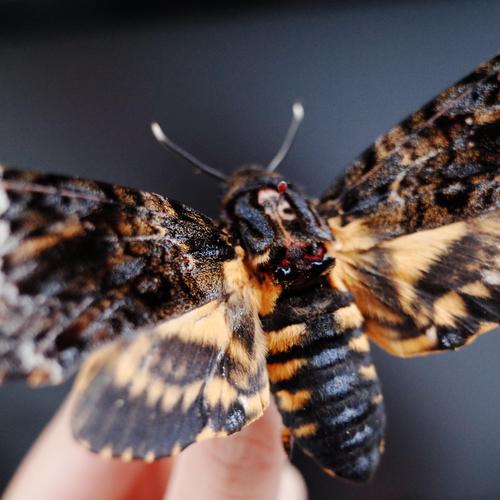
{"type": "Point", "coordinates": [184, 327]}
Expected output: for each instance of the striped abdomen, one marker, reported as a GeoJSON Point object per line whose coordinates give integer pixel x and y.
{"type": "Point", "coordinates": [324, 382]}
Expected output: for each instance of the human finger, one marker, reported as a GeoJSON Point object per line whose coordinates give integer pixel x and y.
{"type": "Point", "coordinates": [248, 465]}
{"type": "Point", "coordinates": [58, 467]}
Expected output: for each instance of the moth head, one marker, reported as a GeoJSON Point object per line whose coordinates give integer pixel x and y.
{"type": "Point", "coordinates": [279, 228]}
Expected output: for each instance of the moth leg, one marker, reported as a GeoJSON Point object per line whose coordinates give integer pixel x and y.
{"type": "Point", "coordinates": [287, 441]}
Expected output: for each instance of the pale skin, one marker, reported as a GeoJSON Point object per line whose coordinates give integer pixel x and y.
{"type": "Point", "coordinates": [248, 465]}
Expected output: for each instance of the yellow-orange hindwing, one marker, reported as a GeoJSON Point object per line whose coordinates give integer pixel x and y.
{"type": "Point", "coordinates": [199, 375]}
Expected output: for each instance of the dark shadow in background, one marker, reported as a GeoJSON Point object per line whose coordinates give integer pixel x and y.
{"type": "Point", "coordinates": [35, 17]}
{"type": "Point", "coordinates": [79, 86]}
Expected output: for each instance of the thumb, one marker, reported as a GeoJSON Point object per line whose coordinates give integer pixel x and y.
{"type": "Point", "coordinates": [250, 464]}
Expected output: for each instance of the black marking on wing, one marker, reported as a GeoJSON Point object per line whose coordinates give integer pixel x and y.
{"type": "Point", "coordinates": [428, 291]}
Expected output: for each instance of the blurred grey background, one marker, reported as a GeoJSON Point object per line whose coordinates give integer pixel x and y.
{"type": "Point", "coordinates": [79, 86]}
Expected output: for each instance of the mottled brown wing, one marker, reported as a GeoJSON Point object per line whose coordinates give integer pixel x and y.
{"type": "Point", "coordinates": [438, 166]}
{"type": "Point", "coordinates": [416, 222]}
{"type": "Point", "coordinates": [82, 263]}
{"type": "Point", "coordinates": [197, 376]}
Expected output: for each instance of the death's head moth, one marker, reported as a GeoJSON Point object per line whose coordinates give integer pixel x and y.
{"type": "Point", "coordinates": [184, 327]}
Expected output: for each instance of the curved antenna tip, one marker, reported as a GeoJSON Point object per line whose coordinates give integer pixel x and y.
{"type": "Point", "coordinates": [298, 110]}
{"type": "Point", "coordinates": [298, 116]}
{"type": "Point", "coordinates": [157, 131]}
{"type": "Point", "coordinates": [167, 143]}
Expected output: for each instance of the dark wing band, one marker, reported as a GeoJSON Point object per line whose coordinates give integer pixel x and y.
{"type": "Point", "coordinates": [416, 222]}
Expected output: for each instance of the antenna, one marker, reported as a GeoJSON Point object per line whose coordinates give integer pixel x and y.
{"type": "Point", "coordinates": [174, 148]}
{"type": "Point", "coordinates": [298, 116]}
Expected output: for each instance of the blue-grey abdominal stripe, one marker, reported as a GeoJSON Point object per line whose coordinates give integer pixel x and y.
{"type": "Point", "coordinates": [339, 386]}
{"type": "Point", "coordinates": [327, 356]}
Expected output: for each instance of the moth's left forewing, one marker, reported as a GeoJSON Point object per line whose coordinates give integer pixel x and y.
{"type": "Point", "coordinates": [199, 375]}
